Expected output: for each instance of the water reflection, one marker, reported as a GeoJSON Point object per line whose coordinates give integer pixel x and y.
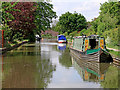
{"type": "Point", "coordinates": [43, 65]}
{"type": "Point", "coordinates": [65, 59]}
{"type": "Point", "coordinates": [25, 68]}
{"type": "Point", "coordinates": [103, 73]}
{"type": "Point", "coordinates": [61, 46]}
{"type": "Point", "coordinates": [112, 78]}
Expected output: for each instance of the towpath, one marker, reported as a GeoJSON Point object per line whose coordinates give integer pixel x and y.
{"type": "Point", "coordinates": [113, 49]}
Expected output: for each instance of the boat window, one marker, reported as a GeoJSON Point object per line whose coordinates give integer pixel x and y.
{"type": "Point", "coordinates": [62, 38]}
{"type": "Point", "coordinates": [93, 43]}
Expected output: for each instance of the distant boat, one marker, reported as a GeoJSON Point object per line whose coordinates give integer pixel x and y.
{"type": "Point", "coordinates": [38, 38]}
{"type": "Point", "coordinates": [61, 39]}
{"type": "Point", "coordinates": [91, 48]}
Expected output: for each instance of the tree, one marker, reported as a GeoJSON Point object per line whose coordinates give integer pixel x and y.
{"type": "Point", "coordinates": [6, 16]}
{"type": "Point", "coordinates": [112, 9]}
{"type": "Point", "coordinates": [59, 28]}
{"type": "Point", "coordinates": [23, 21]}
{"type": "Point", "coordinates": [108, 19]}
{"type": "Point", "coordinates": [43, 16]}
{"type": "Point", "coordinates": [73, 22]}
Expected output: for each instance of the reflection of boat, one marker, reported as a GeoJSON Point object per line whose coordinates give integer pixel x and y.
{"type": "Point", "coordinates": [61, 39]}
{"type": "Point", "coordinates": [91, 48]}
{"type": "Point", "coordinates": [90, 71]}
{"type": "Point", "coordinates": [61, 46]}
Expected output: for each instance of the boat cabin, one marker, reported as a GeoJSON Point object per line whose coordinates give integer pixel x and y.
{"type": "Point", "coordinates": [61, 39]}
{"type": "Point", "coordinates": [83, 43]}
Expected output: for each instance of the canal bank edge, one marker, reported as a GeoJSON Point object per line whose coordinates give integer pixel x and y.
{"type": "Point", "coordinates": [3, 50]}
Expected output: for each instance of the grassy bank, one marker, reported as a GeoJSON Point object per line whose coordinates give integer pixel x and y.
{"type": "Point", "coordinates": [114, 53]}
{"type": "Point", "coordinates": [112, 46]}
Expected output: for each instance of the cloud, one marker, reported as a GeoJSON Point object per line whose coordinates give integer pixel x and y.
{"type": "Point", "coordinates": [88, 8]}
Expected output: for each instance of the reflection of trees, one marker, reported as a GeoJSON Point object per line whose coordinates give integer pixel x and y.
{"type": "Point", "coordinates": [44, 73]}
{"type": "Point", "coordinates": [24, 68]}
{"type": "Point", "coordinates": [111, 79]}
{"type": "Point", "coordinates": [65, 58]}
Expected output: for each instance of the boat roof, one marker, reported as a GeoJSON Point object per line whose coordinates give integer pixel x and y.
{"type": "Point", "coordinates": [91, 36]}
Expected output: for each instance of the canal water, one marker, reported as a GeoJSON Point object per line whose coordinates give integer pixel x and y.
{"type": "Point", "coordinates": [48, 64]}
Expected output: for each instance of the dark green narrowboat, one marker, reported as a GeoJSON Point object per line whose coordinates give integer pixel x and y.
{"type": "Point", "coordinates": [90, 48]}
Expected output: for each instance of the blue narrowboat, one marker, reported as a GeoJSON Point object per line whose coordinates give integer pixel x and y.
{"type": "Point", "coordinates": [61, 39]}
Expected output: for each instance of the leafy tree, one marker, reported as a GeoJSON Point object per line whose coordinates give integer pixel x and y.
{"type": "Point", "coordinates": [22, 21]}
{"type": "Point", "coordinates": [112, 9]}
{"type": "Point", "coordinates": [6, 16]}
{"type": "Point", "coordinates": [73, 22]}
{"type": "Point", "coordinates": [108, 19]}
{"type": "Point", "coordinates": [43, 16]}
{"type": "Point", "coordinates": [59, 28]}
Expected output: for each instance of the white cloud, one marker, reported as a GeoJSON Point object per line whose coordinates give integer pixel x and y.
{"type": "Point", "coordinates": [88, 8]}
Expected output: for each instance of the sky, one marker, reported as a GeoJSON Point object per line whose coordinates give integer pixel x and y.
{"type": "Point", "coordinates": [88, 8]}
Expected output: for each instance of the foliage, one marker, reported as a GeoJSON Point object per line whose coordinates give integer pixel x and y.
{"type": "Point", "coordinates": [22, 23]}
{"type": "Point", "coordinates": [6, 16]}
{"type": "Point", "coordinates": [108, 19]}
{"type": "Point", "coordinates": [43, 16]}
{"type": "Point", "coordinates": [66, 33]}
{"type": "Point", "coordinates": [23, 20]}
{"type": "Point", "coordinates": [48, 36]}
{"type": "Point", "coordinates": [112, 9]}
{"type": "Point", "coordinates": [73, 33]}
{"type": "Point", "coordinates": [82, 32]}
{"type": "Point", "coordinates": [114, 36]}
{"type": "Point", "coordinates": [59, 28]}
{"type": "Point", "coordinates": [72, 22]}
{"type": "Point", "coordinates": [107, 23]}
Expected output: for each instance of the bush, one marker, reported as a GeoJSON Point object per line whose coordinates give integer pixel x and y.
{"type": "Point", "coordinates": [82, 32]}
{"type": "Point", "coordinates": [73, 33]}
{"type": "Point", "coordinates": [66, 33]}
{"type": "Point", "coordinates": [112, 36]}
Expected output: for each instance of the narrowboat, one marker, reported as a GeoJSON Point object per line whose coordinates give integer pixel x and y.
{"type": "Point", "coordinates": [61, 39]}
{"type": "Point", "coordinates": [90, 48]}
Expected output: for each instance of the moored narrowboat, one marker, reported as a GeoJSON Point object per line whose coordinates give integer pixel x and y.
{"type": "Point", "coordinates": [90, 48]}
{"type": "Point", "coordinates": [61, 39]}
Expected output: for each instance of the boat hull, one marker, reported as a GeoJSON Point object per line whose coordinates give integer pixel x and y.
{"type": "Point", "coordinates": [99, 56]}
{"type": "Point", "coordinates": [61, 41]}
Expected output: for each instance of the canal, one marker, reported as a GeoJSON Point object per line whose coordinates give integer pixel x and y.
{"type": "Point", "coordinates": [48, 64]}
